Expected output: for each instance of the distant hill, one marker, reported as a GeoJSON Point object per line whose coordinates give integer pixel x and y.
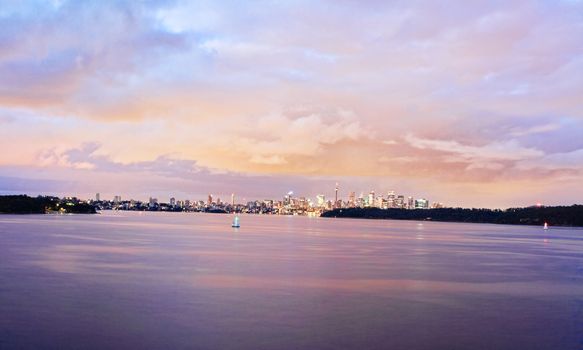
{"type": "Point", "coordinates": [554, 216]}
{"type": "Point", "coordinates": [22, 204]}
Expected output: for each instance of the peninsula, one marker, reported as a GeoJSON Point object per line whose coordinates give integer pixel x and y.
{"type": "Point", "coordinates": [22, 204]}
{"type": "Point", "coordinates": [537, 215]}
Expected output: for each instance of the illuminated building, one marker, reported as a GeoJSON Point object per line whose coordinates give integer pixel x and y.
{"type": "Point", "coordinates": [321, 200]}
{"type": "Point", "coordinates": [421, 203]}
{"type": "Point", "coordinates": [391, 199]}
{"type": "Point", "coordinates": [287, 198]}
{"type": "Point", "coordinates": [352, 200]}
{"type": "Point", "coordinates": [361, 202]}
{"type": "Point", "coordinates": [371, 197]}
{"type": "Point", "coordinates": [380, 202]}
{"type": "Point", "coordinates": [400, 202]}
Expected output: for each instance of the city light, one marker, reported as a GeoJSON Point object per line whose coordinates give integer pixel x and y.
{"type": "Point", "coordinates": [288, 205]}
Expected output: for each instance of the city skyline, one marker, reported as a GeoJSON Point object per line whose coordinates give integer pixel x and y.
{"type": "Point", "coordinates": [289, 204]}
{"type": "Point", "coordinates": [474, 105]}
{"type": "Point", "coordinates": [386, 199]}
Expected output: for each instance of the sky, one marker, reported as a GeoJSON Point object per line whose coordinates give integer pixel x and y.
{"type": "Point", "coordinates": [469, 103]}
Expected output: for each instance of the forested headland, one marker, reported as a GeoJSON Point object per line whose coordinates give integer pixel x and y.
{"type": "Point", "coordinates": [554, 216]}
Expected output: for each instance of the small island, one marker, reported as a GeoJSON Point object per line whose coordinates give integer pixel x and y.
{"type": "Point", "coordinates": [22, 204]}
{"type": "Point", "coordinates": [537, 215]}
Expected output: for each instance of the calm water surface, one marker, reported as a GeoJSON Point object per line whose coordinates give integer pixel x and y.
{"type": "Point", "coordinates": [124, 280]}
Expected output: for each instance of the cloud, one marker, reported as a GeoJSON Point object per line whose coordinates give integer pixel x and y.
{"type": "Point", "coordinates": [270, 160]}
{"type": "Point", "coordinates": [302, 132]}
{"type": "Point", "coordinates": [496, 151]}
{"type": "Point", "coordinates": [496, 155]}
{"type": "Point", "coordinates": [408, 91]}
{"type": "Point", "coordinates": [556, 161]}
{"type": "Point", "coordinates": [537, 129]}
{"type": "Point", "coordinates": [86, 158]}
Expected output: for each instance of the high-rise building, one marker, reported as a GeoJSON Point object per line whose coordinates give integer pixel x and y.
{"type": "Point", "coordinates": [329, 205]}
{"type": "Point", "coordinates": [336, 196]}
{"type": "Point", "coordinates": [287, 198]}
{"type": "Point", "coordinates": [400, 202]}
{"type": "Point", "coordinates": [352, 200]}
{"type": "Point", "coordinates": [116, 199]}
{"type": "Point", "coordinates": [172, 202]}
{"type": "Point", "coordinates": [421, 203]}
{"type": "Point", "coordinates": [97, 197]}
{"type": "Point", "coordinates": [371, 199]}
{"type": "Point", "coordinates": [380, 202]}
{"type": "Point", "coordinates": [410, 203]}
{"type": "Point", "coordinates": [209, 200]}
{"type": "Point", "coordinates": [361, 202]}
{"type": "Point", "coordinates": [233, 199]}
{"type": "Point", "coordinates": [321, 200]}
{"type": "Point", "coordinates": [391, 199]}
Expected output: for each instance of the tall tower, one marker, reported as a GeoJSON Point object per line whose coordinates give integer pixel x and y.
{"type": "Point", "coordinates": [336, 196]}
{"type": "Point", "coordinates": [352, 200]}
{"type": "Point", "coordinates": [233, 199]}
{"type": "Point", "coordinates": [391, 199]}
{"type": "Point", "coordinates": [371, 199]}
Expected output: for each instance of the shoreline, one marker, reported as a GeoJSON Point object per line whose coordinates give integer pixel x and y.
{"type": "Point", "coordinates": [565, 216]}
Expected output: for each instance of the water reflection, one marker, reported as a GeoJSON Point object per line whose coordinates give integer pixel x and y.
{"type": "Point", "coordinates": [163, 280]}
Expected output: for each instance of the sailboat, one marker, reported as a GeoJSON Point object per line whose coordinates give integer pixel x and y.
{"type": "Point", "coordinates": [546, 226]}
{"type": "Point", "coordinates": [236, 222]}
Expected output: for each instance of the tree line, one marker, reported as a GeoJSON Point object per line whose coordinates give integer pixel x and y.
{"type": "Point", "coordinates": [22, 204]}
{"type": "Point", "coordinates": [554, 216]}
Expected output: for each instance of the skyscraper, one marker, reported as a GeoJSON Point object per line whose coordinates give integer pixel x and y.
{"type": "Point", "coordinates": [287, 198]}
{"type": "Point", "coordinates": [391, 199]}
{"type": "Point", "coordinates": [97, 197]}
{"type": "Point", "coordinates": [371, 198]}
{"type": "Point", "coordinates": [352, 200]}
{"type": "Point", "coordinates": [421, 203]}
{"type": "Point", "coordinates": [321, 200]}
{"type": "Point", "coordinates": [400, 202]}
{"type": "Point", "coordinates": [336, 196]}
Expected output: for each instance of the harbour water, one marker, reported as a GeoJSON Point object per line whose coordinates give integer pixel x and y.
{"type": "Point", "coordinates": [127, 280]}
